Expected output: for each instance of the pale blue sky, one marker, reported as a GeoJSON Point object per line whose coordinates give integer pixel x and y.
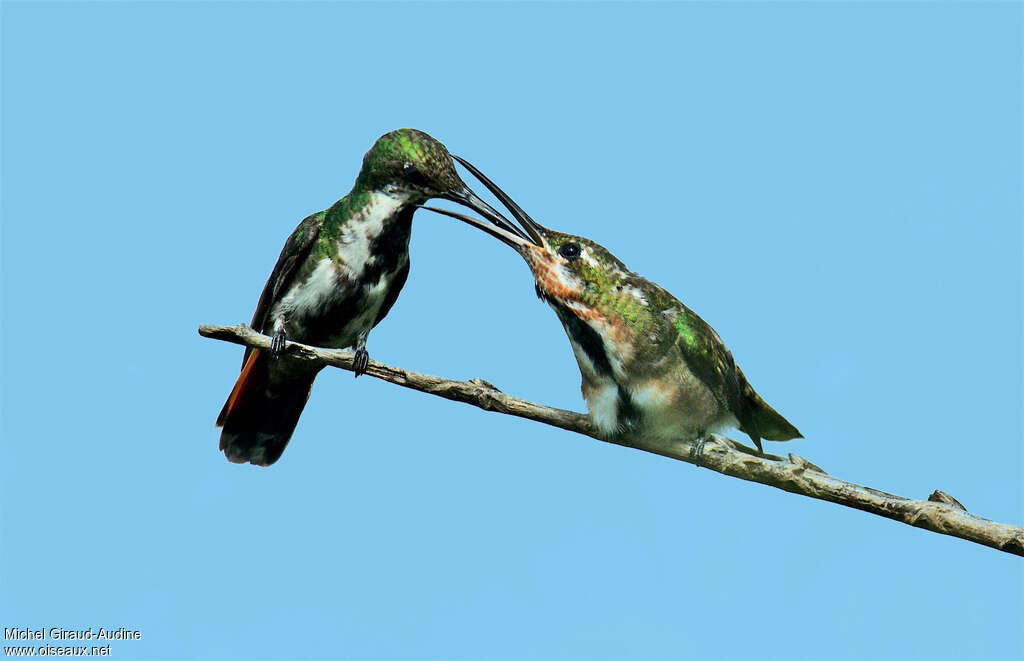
{"type": "Point", "coordinates": [836, 188]}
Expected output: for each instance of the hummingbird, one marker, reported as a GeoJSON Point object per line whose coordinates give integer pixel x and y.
{"type": "Point", "coordinates": [338, 275]}
{"type": "Point", "coordinates": [651, 367]}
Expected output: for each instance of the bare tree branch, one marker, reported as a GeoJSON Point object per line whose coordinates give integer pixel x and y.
{"type": "Point", "coordinates": [940, 513]}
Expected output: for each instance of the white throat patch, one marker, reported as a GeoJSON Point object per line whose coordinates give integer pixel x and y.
{"type": "Point", "coordinates": [359, 233]}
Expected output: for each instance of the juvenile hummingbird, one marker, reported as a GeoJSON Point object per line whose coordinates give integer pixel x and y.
{"type": "Point", "coordinates": [338, 275]}
{"type": "Point", "coordinates": [651, 367]}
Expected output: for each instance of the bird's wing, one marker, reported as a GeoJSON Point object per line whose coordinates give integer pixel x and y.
{"type": "Point", "coordinates": [710, 360]}
{"type": "Point", "coordinates": [295, 250]}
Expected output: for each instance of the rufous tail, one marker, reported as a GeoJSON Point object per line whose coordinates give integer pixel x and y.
{"type": "Point", "coordinates": [261, 412]}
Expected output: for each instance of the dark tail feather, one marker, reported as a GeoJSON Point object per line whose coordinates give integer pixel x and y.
{"type": "Point", "coordinates": [762, 421]}
{"type": "Point", "coordinates": [259, 416]}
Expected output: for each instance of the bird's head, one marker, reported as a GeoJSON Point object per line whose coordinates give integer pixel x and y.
{"type": "Point", "coordinates": [412, 162]}
{"type": "Point", "coordinates": [567, 269]}
{"type": "Point", "coordinates": [413, 165]}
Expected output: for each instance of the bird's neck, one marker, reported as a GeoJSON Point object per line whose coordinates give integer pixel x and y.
{"type": "Point", "coordinates": [364, 201]}
{"type": "Point", "coordinates": [368, 220]}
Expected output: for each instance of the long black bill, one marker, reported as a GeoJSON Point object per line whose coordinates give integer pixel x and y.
{"type": "Point", "coordinates": [470, 199]}
{"type": "Point", "coordinates": [533, 228]}
{"type": "Point", "coordinates": [514, 239]}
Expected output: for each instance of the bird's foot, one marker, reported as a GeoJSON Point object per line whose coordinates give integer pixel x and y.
{"type": "Point", "coordinates": [697, 450]}
{"type": "Point", "coordinates": [277, 343]}
{"type": "Point", "coordinates": [697, 447]}
{"type": "Point", "coordinates": [360, 361]}
{"type": "Point", "coordinates": [362, 356]}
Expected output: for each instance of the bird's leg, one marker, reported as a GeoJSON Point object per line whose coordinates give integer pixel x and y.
{"type": "Point", "coordinates": [697, 446]}
{"type": "Point", "coordinates": [697, 450]}
{"type": "Point", "coordinates": [277, 342]}
{"type": "Point", "coordinates": [362, 357]}
{"type": "Point", "coordinates": [279, 337]}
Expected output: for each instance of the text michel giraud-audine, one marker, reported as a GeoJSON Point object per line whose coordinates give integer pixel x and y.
{"type": "Point", "coordinates": [60, 633]}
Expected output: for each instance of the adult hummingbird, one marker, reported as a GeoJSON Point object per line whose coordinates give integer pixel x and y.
{"type": "Point", "coordinates": [651, 367]}
{"type": "Point", "coordinates": [338, 275]}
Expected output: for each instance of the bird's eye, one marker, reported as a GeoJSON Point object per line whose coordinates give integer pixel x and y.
{"type": "Point", "coordinates": [413, 175]}
{"type": "Point", "coordinates": [569, 250]}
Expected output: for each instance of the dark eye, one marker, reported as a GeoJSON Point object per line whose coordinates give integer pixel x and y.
{"type": "Point", "coordinates": [413, 174]}
{"type": "Point", "coordinates": [569, 250]}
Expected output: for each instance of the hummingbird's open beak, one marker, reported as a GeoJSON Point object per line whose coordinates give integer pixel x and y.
{"type": "Point", "coordinates": [470, 199]}
{"type": "Point", "coordinates": [514, 239]}
{"type": "Point", "coordinates": [532, 227]}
